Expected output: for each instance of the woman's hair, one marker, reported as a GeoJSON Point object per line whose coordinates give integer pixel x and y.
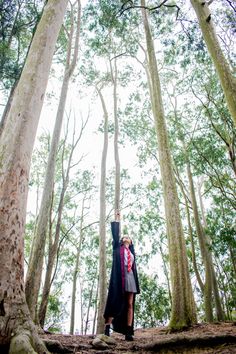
{"type": "Point", "coordinates": [125, 236]}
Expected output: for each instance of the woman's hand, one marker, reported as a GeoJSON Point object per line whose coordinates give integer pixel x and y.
{"type": "Point", "coordinates": [117, 215]}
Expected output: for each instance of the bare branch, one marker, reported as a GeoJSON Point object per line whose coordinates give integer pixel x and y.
{"type": "Point", "coordinates": [163, 3]}
{"type": "Point", "coordinates": [231, 5]}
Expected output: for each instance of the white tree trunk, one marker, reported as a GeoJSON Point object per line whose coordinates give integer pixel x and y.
{"type": "Point", "coordinates": [211, 290]}
{"type": "Point", "coordinates": [204, 248]}
{"type": "Point", "coordinates": [102, 225]}
{"type": "Point", "coordinates": [54, 240]}
{"type": "Point", "coordinates": [35, 267]}
{"type": "Point", "coordinates": [227, 79]}
{"type": "Point", "coordinates": [16, 146]}
{"type": "Point", "coordinates": [183, 308]}
{"type": "Point", "coordinates": [116, 136]}
{"type": "Point", "coordinates": [75, 273]}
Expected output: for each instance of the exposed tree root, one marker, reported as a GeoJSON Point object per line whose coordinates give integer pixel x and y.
{"type": "Point", "coordinates": [26, 342]}
{"type": "Point", "coordinates": [19, 333]}
{"type": "Point", "coordinates": [21, 344]}
{"type": "Point", "coordinates": [188, 342]}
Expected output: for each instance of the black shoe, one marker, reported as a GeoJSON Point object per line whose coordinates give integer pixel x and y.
{"type": "Point", "coordinates": [129, 337]}
{"type": "Point", "coordinates": [129, 333]}
{"type": "Point", "coordinates": [107, 330]}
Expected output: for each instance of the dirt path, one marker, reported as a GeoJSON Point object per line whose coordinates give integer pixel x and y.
{"type": "Point", "coordinates": [217, 338]}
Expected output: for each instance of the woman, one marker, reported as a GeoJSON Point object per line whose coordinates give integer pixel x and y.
{"type": "Point", "coordinates": [123, 285]}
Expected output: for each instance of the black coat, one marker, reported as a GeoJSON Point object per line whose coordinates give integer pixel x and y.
{"type": "Point", "coordinates": [116, 305]}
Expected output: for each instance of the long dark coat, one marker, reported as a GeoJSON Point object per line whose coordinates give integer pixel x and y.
{"type": "Point", "coordinates": [116, 305]}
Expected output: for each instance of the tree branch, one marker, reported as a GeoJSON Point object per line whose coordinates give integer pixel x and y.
{"type": "Point", "coordinates": [124, 9]}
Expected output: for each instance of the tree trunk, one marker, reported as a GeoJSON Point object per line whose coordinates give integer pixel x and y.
{"type": "Point", "coordinates": [102, 225]}
{"type": "Point", "coordinates": [210, 276]}
{"type": "Point", "coordinates": [219, 310]}
{"type": "Point", "coordinates": [227, 79]}
{"type": "Point", "coordinates": [75, 273]}
{"type": "Point", "coordinates": [116, 136]}
{"type": "Point", "coordinates": [199, 187]}
{"type": "Point", "coordinates": [95, 310]}
{"type": "Point", "coordinates": [183, 308]}
{"type": "Point", "coordinates": [233, 258]}
{"type": "Point", "coordinates": [73, 297]}
{"type": "Point", "coordinates": [204, 248]}
{"type": "Point", "coordinates": [88, 309]}
{"type": "Point", "coordinates": [190, 232]}
{"type": "Point", "coordinates": [166, 272]}
{"type": "Point", "coordinates": [17, 142]}
{"type": "Point", "coordinates": [7, 107]}
{"type": "Point", "coordinates": [35, 267]}
{"type": "Point", "coordinates": [220, 316]}
{"type": "Point", "coordinates": [81, 311]}
{"type": "Point", "coordinates": [53, 248]}
{"type": "Point", "coordinates": [54, 244]}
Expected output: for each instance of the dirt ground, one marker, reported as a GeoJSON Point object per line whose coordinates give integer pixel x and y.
{"type": "Point", "coordinates": [217, 338]}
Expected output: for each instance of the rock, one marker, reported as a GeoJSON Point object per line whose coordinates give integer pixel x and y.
{"type": "Point", "coordinates": [106, 339]}
{"type": "Point", "coordinates": [98, 343]}
{"type": "Point", "coordinates": [56, 346]}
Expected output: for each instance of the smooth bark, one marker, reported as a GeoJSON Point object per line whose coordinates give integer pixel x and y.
{"type": "Point", "coordinates": [7, 107]}
{"type": "Point", "coordinates": [183, 308]}
{"type": "Point", "coordinates": [166, 272]}
{"type": "Point", "coordinates": [116, 136]}
{"type": "Point", "coordinates": [190, 232]}
{"type": "Point", "coordinates": [204, 247]}
{"type": "Point", "coordinates": [88, 309]}
{"type": "Point", "coordinates": [203, 214]}
{"type": "Point", "coordinates": [15, 154]}
{"type": "Point", "coordinates": [226, 76]}
{"type": "Point", "coordinates": [53, 244]}
{"type": "Point", "coordinates": [210, 286]}
{"type": "Point", "coordinates": [75, 273]}
{"type": "Point", "coordinates": [96, 309]}
{"type": "Point", "coordinates": [102, 224]}
{"type": "Point", "coordinates": [35, 267]}
{"type": "Point", "coordinates": [218, 303]}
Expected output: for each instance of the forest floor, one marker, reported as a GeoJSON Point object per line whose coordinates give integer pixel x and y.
{"type": "Point", "coordinates": [217, 338]}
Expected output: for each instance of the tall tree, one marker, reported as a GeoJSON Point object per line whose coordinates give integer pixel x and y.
{"type": "Point", "coordinates": [210, 287]}
{"type": "Point", "coordinates": [116, 136]}
{"type": "Point", "coordinates": [102, 222]}
{"type": "Point", "coordinates": [18, 21]}
{"type": "Point", "coordinates": [16, 148]}
{"type": "Point", "coordinates": [54, 240]}
{"type": "Point", "coordinates": [79, 244]}
{"type": "Point", "coordinates": [35, 267]}
{"type": "Point", "coordinates": [224, 71]}
{"type": "Point", "coordinates": [183, 311]}
{"type": "Point", "coordinates": [204, 242]}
